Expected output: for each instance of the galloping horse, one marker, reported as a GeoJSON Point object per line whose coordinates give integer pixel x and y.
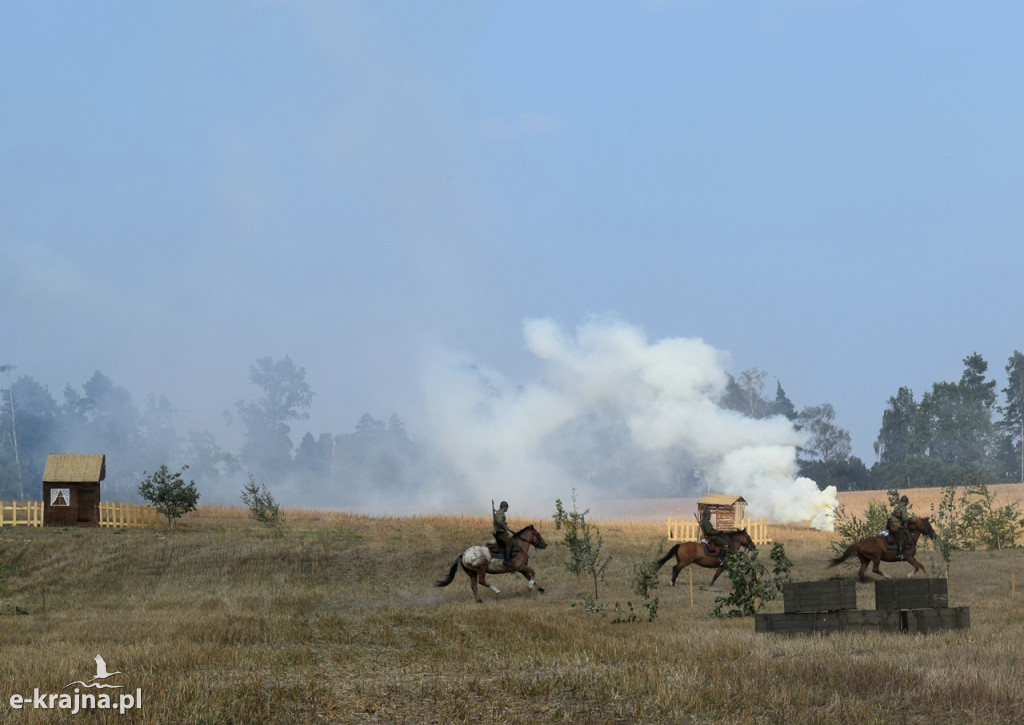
{"type": "Point", "coordinates": [875, 549]}
{"type": "Point", "coordinates": [693, 552]}
{"type": "Point", "coordinates": [479, 561]}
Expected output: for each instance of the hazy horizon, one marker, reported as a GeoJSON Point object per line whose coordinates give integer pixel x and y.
{"type": "Point", "coordinates": [364, 187]}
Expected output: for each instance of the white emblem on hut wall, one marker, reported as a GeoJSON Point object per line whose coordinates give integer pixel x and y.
{"type": "Point", "coordinates": [60, 496]}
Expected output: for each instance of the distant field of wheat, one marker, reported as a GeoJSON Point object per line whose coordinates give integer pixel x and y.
{"type": "Point", "coordinates": [337, 621]}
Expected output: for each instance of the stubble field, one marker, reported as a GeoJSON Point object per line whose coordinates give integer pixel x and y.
{"type": "Point", "coordinates": [337, 620]}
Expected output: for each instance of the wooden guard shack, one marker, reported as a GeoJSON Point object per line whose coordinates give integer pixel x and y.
{"type": "Point", "coordinates": [727, 511]}
{"type": "Point", "coordinates": [71, 489]}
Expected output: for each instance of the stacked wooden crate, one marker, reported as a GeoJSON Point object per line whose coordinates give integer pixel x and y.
{"type": "Point", "coordinates": [831, 606]}
{"type": "Point", "coordinates": [923, 605]}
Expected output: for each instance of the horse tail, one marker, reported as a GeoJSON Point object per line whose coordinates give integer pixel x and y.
{"type": "Point", "coordinates": [661, 562]}
{"type": "Point", "coordinates": [850, 551]}
{"type": "Point", "coordinates": [451, 573]}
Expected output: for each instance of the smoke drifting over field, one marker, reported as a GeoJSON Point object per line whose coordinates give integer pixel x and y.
{"type": "Point", "coordinates": [612, 415]}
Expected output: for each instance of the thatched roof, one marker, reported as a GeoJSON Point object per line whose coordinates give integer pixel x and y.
{"type": "Point", "coordinates": [75, 468]}
{"type": "Point", "coordinates": [721, 499]}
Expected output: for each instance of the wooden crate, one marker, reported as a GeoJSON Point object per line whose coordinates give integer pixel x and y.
{"type": "Point", "coordinates": [911, 594]}
{"type": "Point", "coordinates": [925, 621]}
{"type": "Point", "coordinates": [842, 620]}
{"type": "Point", "coordinates": [819, 596]}
{"type": "Point", "coordinates": [793, 622]}
{"type": "Point", "coordinates": [910, 621]}
{"type": "Point", "coordinates": [869, 620]}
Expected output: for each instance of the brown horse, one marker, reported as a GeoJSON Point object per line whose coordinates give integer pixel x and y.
{"type": "Point", "coordinates": [479, 561]}
{"type": "Point", "coordinates": [875, 549]}
{"type": "Point", "coordinates": [693, 552]}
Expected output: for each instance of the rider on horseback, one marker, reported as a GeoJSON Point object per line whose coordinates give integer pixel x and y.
{"type": "Point", "coordinates": [897, 525]}
{"type": "Point", "coordinates": [502, 535]}
{"type": "Point", "coordinates": [714, 536]}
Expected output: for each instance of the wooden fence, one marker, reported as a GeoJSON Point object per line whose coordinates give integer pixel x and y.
{"type": "Point", "coordinates": [690, 531]}
{"type": "Point", "coordinates": [28, 513]}
{"type": "Point", "coordinates": [117, 515]}
{"type": "Point", "coordinates": [112, 514]}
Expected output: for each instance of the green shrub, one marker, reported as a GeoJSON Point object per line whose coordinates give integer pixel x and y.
{"type": "Point", "coordinates": [169, 494]}
{"type": "Point", "coordinates": [752, 583]}
{"type": "Point", "coordinates": [973, 521]}
{"type": "Point", "coordinates": [645, 582]}
{"type": "Point", "coordinates": [262, 505]}
{"type": "Point", "coordinates": [584, 542]}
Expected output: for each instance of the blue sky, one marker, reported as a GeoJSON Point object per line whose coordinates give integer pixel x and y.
{"type": "Point", "coordinates": [828, 191]}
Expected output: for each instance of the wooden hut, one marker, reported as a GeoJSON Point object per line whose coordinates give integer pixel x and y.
{"type": "Point", "coordinates": [71, 489]}
{"type": "Point", "coordinates": [727, 511]}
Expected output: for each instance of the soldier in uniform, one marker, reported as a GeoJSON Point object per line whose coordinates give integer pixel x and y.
{"type": "Point", "coordinates": [714, 535]}
{"type": "Point", "coordinates": [502, 535]}
{"type": "Point", "coordinates": [897, 525]}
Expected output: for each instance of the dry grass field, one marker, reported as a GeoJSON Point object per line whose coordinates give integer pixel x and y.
{"type": "Point", "coordinates": [337, 621]}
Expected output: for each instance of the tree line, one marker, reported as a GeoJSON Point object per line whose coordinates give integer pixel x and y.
{"type": "Point", "coordinates": [954, 432]}
{"type": "Point", "coordinates": [957, 431]}
{"type": "Point", "coordinates": [101, 416]}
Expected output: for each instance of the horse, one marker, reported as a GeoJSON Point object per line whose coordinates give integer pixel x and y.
{"type": "Point", "coordinates": [479, 561]}
{"type": "Point", "coordinates": [876, 549]}
{"type": "Point", "coordinates": [693, 552]}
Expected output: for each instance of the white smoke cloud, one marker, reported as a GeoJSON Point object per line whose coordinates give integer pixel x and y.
{"type": "Point", "coordinates": [613, 414]}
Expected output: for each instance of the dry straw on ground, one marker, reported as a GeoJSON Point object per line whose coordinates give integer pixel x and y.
{"type": "Point", "coordinates": [337, 620]}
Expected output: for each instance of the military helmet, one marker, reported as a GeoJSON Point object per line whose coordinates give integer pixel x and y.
{"type": "Point", "coordinates": [503, 505]}
{"type": "Point", "coordinates": [904, 499]}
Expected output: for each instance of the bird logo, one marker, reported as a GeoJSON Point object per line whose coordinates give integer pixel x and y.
{"type": "Point", "coordinates": [101, 674]}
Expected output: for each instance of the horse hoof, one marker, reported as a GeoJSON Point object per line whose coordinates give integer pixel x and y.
{"type": "Point", "coordinates": [540, 589]}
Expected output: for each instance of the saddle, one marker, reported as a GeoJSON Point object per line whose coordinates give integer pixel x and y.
{"type": "Point", "coordinates": [711, 549]}
{"type": "Point", "coordinates": [890, 540]}
{"type": "Point", "coordinates": [498, 550]}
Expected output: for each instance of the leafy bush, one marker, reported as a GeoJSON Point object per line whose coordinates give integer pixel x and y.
{"type": "Point", "coordinates": [946, 523]}
{"type": "Point", "coordinates": [645, 582]}
{"type": "Point", "coordinates": [752, 583]}
{"type": "Point", "coordinates": [974, 522]}
{"type": "Point", "coordinates": [169, 494]}
{"type": "Point", "coordinates": [584, 542]}
{"type": "Point", "coordinates": [261, 504]}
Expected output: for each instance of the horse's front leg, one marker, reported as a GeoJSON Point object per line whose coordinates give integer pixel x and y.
{"type": "Point", "coordinates": [528, 574]}
{"type": "Point", "coordinates": [917, 567]}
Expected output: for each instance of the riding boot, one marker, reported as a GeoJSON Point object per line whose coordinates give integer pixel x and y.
{"type": "Point", "coordinates": [899, 552]}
